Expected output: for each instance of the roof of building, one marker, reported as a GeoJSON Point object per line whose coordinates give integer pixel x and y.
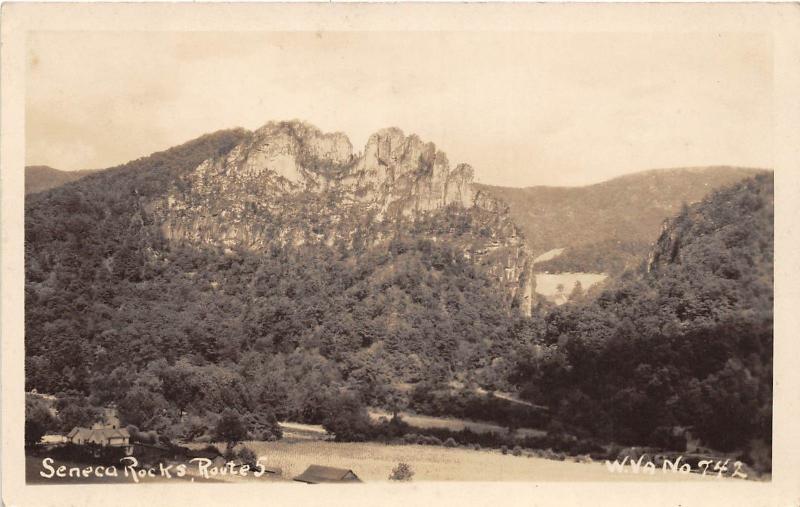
{"type": "Point", "coordinates": [317, 473]}
{"type": "Point", "coordinates": [79, 432]}
{"type": "Point", "coordinates": [112, 432]}
{"type": "Point", "coordinates": [101, 433]}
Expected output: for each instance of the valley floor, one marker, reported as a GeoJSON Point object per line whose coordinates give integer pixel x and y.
{"type": "Point", "coordinates": [372, 461]}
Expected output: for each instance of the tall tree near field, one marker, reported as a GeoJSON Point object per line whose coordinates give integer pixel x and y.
{"type": "Point", "coordinates": [230, 429]}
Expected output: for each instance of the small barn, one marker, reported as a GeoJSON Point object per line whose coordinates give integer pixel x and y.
{"type": "Point", "coordinates": [316, 474]}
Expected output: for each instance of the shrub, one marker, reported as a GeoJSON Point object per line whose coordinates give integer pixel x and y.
{"type": "Point", "coordinates": [450, 442]}
{"type": "Point", "coordinates": [144, 437]}
{"type": "Point", "coordinates": [229, 454]}
{"type": "Point", "coordinates": [247, 456]}
{"type": "Point", "coordinates": [434, 441]}
{"type": "Point", "coordinates": [212, 449]}
{"type": "Point", "coordinates": [517, 451]}
{"type": "Point", "coordinates": [402, 472]}
{"type": "Point", "coordinates": [268, 435]}
{"type": "Point", "coordinates": [504, 449]}
{"type": "Point", "coordinates": [133, 430]}
{"type": "Point", "coordinates": [393, 428]}
{"type": "Point", "coordinates": [477, 447]}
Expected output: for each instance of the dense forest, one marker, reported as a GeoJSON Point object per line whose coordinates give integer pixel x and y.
{"type": "Point", "coordinates": [116, 313]}
{"type": "Point", "coordinates": [175, 333]}
{"type": "Point", "coordinates": [686, 343]}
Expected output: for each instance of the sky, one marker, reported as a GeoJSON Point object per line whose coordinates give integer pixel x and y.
{"type": "Point", "coordinates": [523, 108]}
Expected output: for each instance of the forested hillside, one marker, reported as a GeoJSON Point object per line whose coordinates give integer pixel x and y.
{"type": "Point", "coordinates": [609, 226]}
{"type": "Point", "coordinates": [686, 343]}
{"type": "Point", "coordinates": [329, 299]}
{"type": "Point", "coordinates": [278, 274]}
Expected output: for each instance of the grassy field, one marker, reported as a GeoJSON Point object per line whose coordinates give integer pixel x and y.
{"type": "Point", "coordinates": [453, 424]}
{"type": "Point", "coordinates": [374, 462]}
{"type": "Point", "coordinates": [299, 431]}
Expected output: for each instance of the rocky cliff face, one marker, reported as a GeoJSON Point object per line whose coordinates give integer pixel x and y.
{"type": "Point", "coordinates": [728, 234]}
{"type": "Point", "coordinates": [291, 182]}
{"type": "Point", "coordinates": [405, 175]}
{"type": "Point", "coordinates": [665, 249]}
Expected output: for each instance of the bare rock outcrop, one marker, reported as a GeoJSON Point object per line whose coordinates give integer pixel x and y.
{"type": "Point", "coordinates": [291, 182]}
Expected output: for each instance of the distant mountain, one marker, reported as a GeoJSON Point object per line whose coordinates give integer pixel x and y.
{"type": "Point", "coordinates": [608, 226]}
{"type": "Point", "coordinates": [39, 178]}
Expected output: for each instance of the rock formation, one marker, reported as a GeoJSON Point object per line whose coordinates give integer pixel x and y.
{"type": "Point", "coordinates": [291, 181]}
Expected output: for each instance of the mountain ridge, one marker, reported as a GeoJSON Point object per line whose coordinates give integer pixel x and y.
{"type": "Point", "coordinates": [39, 178]}
{"type": "Point", "coordinates": [225, 199]}
{"type": "Point", "coordinates": [608, 226]}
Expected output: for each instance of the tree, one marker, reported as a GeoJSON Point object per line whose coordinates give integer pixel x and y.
{"type": "Point", "coordinates": [263, 425]}
{"type": "Point", "coordinates": [38, 420]}
{"type": "Point", "coordinates": [177, 385]}
{"type": "Point", "coordinates": [396, 401]}
{"type": "Point", "coordinates": [106, 387]}
{"type": "Point", "coordinates": [347, 418]}
{"type": "Point", "coordinates": [141, 406]}
{"type": "Point", "coordinates": [577, 292]}
{"type": "Point", "coordinates": [230, 429]}
{"type": "Point", "coordinates": [75, 410]}
{"type": "Point", "coordinates": [402, 472]}
{"type": "Point", "coordinates": [34, 431]}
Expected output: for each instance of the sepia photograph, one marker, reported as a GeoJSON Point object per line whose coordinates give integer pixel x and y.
{"type": "Point", "coordinates": [326, 255]}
